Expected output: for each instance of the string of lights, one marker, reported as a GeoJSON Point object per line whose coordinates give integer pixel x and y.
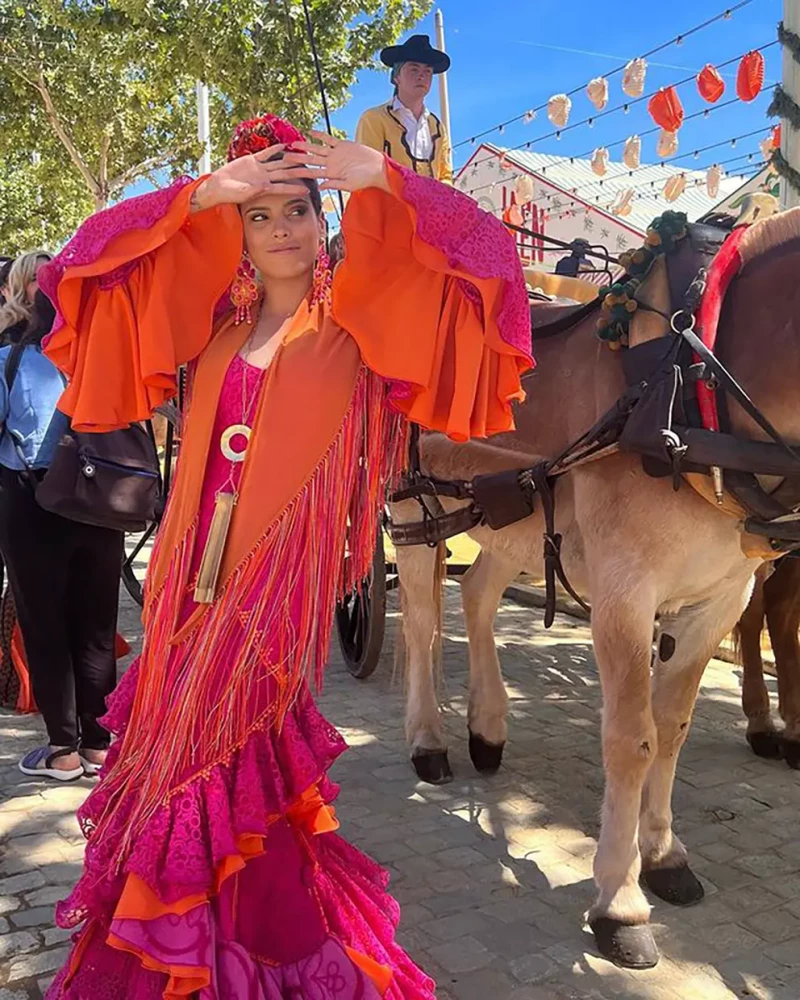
{"type": "Point", "coordinates": [625, 107]}
{"type": "Point", "coordinates": [601, 182]}
{"type": "Point", "coordinates": [575, 210]}
{"type": "Point", "coordinates": [676, 40]}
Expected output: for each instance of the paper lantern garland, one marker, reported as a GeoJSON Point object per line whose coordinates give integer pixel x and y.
{"type": "Point", "coordinates": [523, 189]}
{"type": "Point", "coordinates": [632, 153]}
{"type": "Point", "coordinates": [622, 205]}
{"type": "Point", "coordinates": [750, 77]}
{"type": "Point", "coordinates": [710, 84]}
{"type": "Point", "coordinates": [633, 77]}
{"type": "Point", "coordinates": [558, 109]}
{"type": "Point", "coordinates": [666, 109]}
{"type": "Point", "coordinates": [713, 177]}
{"type": "Point", "coordinates": [675, 187]}
{"type": "Point", "coordinates": [600, 162]}
{"type": "Point", "coordinates": [667, 144]}
{"type": "Point", "coordinates": [597, 92]}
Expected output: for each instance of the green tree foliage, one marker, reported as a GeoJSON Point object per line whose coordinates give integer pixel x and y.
{"type": "Point", "coordinates": [98, 94]}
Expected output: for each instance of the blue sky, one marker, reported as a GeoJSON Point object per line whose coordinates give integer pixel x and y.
{"type": "Point", "coordinates": [511, 55]}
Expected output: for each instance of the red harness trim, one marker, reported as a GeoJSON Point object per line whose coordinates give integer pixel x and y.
{"type": "Point", "coordinates": [724, 268]}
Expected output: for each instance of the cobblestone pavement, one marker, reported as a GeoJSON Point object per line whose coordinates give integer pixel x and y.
{"type": "Point", "coordinates": [494, 874]}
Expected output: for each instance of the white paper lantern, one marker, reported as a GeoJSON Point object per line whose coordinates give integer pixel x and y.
{"type": "Point", "coordinates": [675, 187]}
{"type": "Point", "coordinates": [713, 177]}
{"type": "Point", "coordinates": [600, 161]}
{"type": "Point", "coordinates": [558, 109]}
{"type": "Point", "coordinates": [633, 77]}
{"type": "Point", "coordinates": [632, 153]}
{"type": "Point", "coordinates": [667, 144]}
{"type": "Point", "coordinates": [523, 189]}
{"type": "Point", "coordinates": [597, 92]}
{"type": "Point", "coordinates": [622, 205]}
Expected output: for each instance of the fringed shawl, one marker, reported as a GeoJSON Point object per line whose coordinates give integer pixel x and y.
{"type": "Point", "coordinates": [429, 311]}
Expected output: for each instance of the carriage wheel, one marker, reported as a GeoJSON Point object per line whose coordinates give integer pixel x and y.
{"type": "Point", "coordinates": [133, 575]}
{"type": "Point", "coordinates": [361, 620]}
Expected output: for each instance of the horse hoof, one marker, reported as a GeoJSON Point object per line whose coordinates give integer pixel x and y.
{"type": "Point", "coordinates": [767, 744]}
{"type": "Point", "coordinates": [791, 754]}
{"type": "Point", "coordinates": [487, 757]}
{"type": "Point", "coordinates": [630, 946]}
{"type": "Point", "coordinates": [679, 886]}
{"type": "Point", "coordinates": [432, 767]}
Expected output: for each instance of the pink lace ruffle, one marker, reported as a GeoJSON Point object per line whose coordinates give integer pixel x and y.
{"type": "Point", "coordinates": [327, 974]}
{"type": "Point", "coordinates": [191, 834]}
{"type": "Point", "coordinates": [91, 240]}
{"type": "Point", "coordinates": [474, 242]}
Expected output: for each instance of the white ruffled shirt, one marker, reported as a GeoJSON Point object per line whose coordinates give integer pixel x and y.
{"type": "Point", "coordinates": [418, 131]}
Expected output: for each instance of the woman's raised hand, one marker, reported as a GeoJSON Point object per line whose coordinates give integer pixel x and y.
{"type": "Point", "coordinates": [259, 173]}
{"type": "Point", "coordinates": [341, 165]}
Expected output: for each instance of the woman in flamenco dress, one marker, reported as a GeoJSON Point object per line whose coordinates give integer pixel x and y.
{"type": "Point", "coordinates": [212, 867]}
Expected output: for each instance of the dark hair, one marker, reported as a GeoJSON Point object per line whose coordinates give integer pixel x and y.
{"type": "Point", "coordinates": [314, 193]}
{"type": "Point", "coordinates": [43, 315]}
{"type": "Point", "coordinates": [313, 190]}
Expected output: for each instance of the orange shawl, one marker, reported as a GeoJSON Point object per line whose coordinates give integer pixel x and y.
{"type": "Point", "coordinates": [401, 301]}
{"type": "Point", "coordinates": [323, 444]}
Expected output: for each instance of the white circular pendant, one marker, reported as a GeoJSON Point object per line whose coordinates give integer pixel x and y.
{"type": "Point", "coordinates": [228, 435]}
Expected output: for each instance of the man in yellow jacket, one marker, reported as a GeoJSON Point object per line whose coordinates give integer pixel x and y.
{"type": "Point", "coordinates": [403, 128]}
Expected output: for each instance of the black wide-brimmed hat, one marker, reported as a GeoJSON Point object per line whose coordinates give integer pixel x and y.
{"type": "Point", "coordinates": [417, 49]}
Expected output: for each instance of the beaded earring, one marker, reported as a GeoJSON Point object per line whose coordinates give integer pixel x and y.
{"type": "Point", "coordinates": [244, 289]}
{"type": "Point", "coordinates": [323, 277]}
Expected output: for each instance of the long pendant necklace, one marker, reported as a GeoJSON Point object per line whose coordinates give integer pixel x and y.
{"type": "Point", "coordinates": [227, 496]}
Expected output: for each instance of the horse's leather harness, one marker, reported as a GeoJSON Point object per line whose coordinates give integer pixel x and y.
{"type": "Point", "coordinates": [656, 417]}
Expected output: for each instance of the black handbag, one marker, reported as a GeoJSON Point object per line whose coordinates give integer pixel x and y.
{"type": "Point", "coordinates": [110, 479]}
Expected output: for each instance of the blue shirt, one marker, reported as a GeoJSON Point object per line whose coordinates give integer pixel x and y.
{"type": "Point", "coordinates": [28, 413]}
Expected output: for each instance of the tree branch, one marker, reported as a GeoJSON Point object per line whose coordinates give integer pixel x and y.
{"type": "Point", "coordinates": [128, 176]}
{"type": "Point", "coordinates": [102, 163]}
{"type": "Point", "coordinates": [41, 85]}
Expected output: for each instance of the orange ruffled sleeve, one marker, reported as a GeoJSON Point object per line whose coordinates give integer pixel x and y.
{"type": "Point", "coordinates": [135, 291]}
{"type": "Point", "coordinates": [432, 291]}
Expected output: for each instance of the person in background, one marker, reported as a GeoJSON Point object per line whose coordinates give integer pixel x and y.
{"type": "Point", "coordinates": [18, 291]}
{"type": "Point", "coordinates": [5, 268]}
{"type": "Point", "coordinates": [64, 575]}
{"type": "Point", "coordinates": [404, 128]}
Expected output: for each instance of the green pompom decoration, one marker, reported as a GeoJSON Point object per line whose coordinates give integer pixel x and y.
{"type": "Point", "coordinates": [662, 238]}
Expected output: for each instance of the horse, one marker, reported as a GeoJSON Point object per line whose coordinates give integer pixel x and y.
{"type": "Point", "coordinates": [776, 600]}
{"type": "Point", "coordinates": [653, 560]}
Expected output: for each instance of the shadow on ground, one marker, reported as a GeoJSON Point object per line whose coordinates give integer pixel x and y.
{"type": "Point", "coordinates": [494, 875]}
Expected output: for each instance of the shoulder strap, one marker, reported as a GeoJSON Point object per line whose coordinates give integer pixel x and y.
{"type": "Point", "coordinates": [12, 364]}
{"type": "Point", "coordinates": [11, 369]}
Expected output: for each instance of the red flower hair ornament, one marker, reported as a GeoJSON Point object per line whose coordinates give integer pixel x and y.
{"type": "Point", "coordinates": [261, 133]}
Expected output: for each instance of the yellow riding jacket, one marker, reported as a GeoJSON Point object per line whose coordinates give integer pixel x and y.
{"type": "Point", "coordinates": [381, 129]}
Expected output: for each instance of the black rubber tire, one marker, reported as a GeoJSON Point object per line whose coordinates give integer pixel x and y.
{"type": "Point", "coordinates": [132, 583]}
{"type": "Point", "coordinates": [361, 620]}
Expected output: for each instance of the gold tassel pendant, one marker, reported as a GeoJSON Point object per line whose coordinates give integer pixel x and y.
{"type": "Point", "coordinates": [211, 562]}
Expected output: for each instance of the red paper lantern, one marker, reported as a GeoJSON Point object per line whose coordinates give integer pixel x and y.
{"type": "Point", "coordinates": [666, 109]}
{"type": "Point", "coordinates": [710, 84]}
{"type": "Point", "coordinates": [750, 78]}
{"type": "Point", "coordinates": [776, 137]}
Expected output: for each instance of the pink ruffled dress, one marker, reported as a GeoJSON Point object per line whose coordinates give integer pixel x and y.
{"type": "Point", "coordinates": [299, 921]}
{"type": "Point", "coordinates": [213, 869]}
